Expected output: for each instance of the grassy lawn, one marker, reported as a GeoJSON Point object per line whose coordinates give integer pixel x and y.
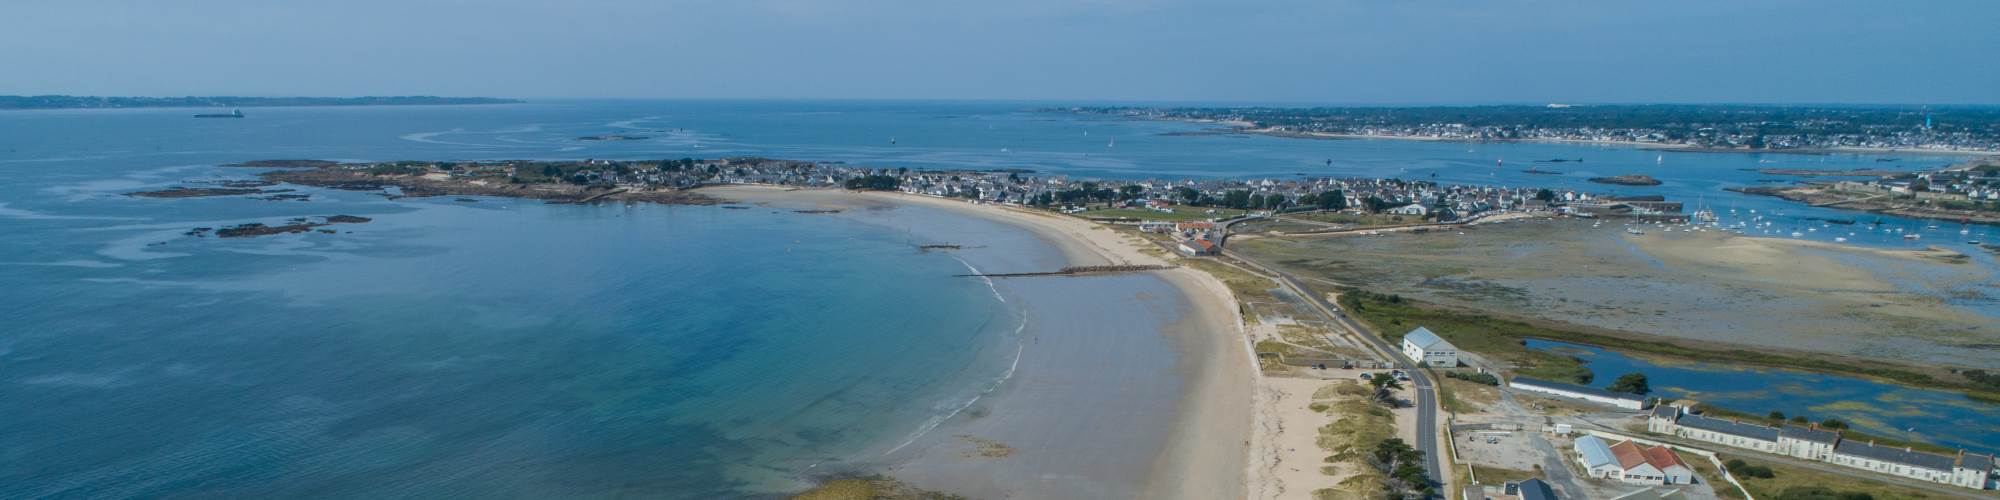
{"type": "Point", "coordinates": [1493, 337]}
{"type": "Point", "coordinates": [1500, 337]}
{"type": "Point", "coordinates": [1179, 214]}
{"type": "Point", "coordinates": [1786, 477]}
{"type": "Point", "coordinates": [1359, 220]}
{"type": "Point", "coordinates": [1466, 397]}
{"type": "Point", "coordinates": [1496, 475]}
{"type": "Point", "coordinates": [1707, 474]}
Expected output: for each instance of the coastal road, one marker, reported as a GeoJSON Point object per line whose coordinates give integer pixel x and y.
{"type": "Point", "coordinates": [1420, 381]}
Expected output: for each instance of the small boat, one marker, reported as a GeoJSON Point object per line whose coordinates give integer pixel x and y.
{"type": "Point", "coordinates": [1839, 240]}
{"type": "Point", "coordinates": [234, 113]}
{"type": "Point", "coordinates": [1912, 236]}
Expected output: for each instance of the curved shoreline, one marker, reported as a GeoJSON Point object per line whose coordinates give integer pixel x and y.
{"type": "Point", "coordinates": [1205, 454]}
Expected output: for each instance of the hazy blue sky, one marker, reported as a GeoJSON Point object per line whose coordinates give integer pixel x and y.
{"type": "Point", "coordinates": [1329, 51]}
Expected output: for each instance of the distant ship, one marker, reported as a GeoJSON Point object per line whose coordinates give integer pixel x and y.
{"type": "Point", "coordinates": [234, 113]}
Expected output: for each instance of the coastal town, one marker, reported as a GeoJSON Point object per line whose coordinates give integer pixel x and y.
{"type": "Point", "coordinates": [1301, 340]}
{"type": "Point", "coordinates": [1706, 127]}
{"type": "Point", "coordinates": [1969, 192]}
{"type": "Point", "coordinates": [1151, 199]}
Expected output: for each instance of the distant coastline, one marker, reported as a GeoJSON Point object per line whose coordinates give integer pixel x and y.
{"type": "Point", "coordinates": [1649, 146]}
{"type": "Point", "coordinates": [97, 102]}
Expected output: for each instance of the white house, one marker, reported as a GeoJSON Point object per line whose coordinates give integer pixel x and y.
{"type": "Point", "coordinates": [1426, 348]}
{"type": "Point", "coordinates": [1600, 396]}
{"type": "Point", "coordinates": [1416, 209]}
{"type": "Point", "coordinates": [1655, 465]}
{"type": "Point", "coordinates": [1596, 458]}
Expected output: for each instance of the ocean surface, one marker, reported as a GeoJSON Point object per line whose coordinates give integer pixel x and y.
{"type": "Point", "coordinates": [505, 348]}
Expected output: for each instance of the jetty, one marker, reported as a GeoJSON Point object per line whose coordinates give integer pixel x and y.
{"type": "Point", "coordinates": [1072, 271]}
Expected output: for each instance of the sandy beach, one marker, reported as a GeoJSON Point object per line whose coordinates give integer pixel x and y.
{"type": "Point", "coordinates": [1020, 442]}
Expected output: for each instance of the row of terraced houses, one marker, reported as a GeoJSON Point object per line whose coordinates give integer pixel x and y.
{"type": "Point", "coordinates": [1965, 469]}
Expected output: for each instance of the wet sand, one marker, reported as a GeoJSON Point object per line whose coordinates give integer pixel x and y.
{"type": "Point", "coordinates": [1134, 385]}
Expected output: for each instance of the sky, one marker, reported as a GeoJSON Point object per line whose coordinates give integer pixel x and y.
{"type": "Point", "coordinates": [1270, 51]}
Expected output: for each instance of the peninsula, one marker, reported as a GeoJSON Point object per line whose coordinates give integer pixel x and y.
{"type": "Point", "coordinates": [1968, 192]}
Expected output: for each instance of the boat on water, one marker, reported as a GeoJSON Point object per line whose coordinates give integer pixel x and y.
{"type": "Point", "coordinates": [234, 113]}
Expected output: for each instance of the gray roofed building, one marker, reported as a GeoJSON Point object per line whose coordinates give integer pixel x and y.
{"type": "Point", "coordinates": [1668, 412]}
{"type": "Point", "coordinates": [1814, 435]}
{"type": "Point", "coordinates": [1536, 489]}
{"type": "Point", "coordinates": [1895, 455]}
{"type": "Point", "coordinates": [1975, 461]}
{"type": "Point", "coordinates": [1730, 427]}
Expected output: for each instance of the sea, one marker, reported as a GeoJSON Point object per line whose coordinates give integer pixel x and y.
{"type": "Point", "coordinates": [492, 347]}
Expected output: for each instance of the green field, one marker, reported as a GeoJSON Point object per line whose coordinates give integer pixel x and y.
{"type": "Point", "coordinates": [1797, 479]}
{"type": "Point", "coordinates": [1393, 316]}
{"type": "Point", "coordinates": [1502, 336]}
{"type": "Point", "coordinates": [1358, 220]}
{"type": "Point", "coordinates": [1179, 214]}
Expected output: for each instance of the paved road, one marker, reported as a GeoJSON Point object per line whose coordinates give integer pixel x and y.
{"type": "Point", "coordinates": [1427, 425]}
{"type": "Point", "coordinates": [1552, 465]}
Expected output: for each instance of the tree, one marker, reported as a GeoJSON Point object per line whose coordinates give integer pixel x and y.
{"type": "Point", "coordinates": [1800, 419]}
{"type": "Point", "coordinates": [874, 182]}
{"type": "Point", "coordinates": [1832, 423]}
{"type": "Point", "coordinates": [1634, 383]}
{"type": "Point", "coordinates": [1375, 204]}
{"type": "Point", "coordinates": [1404, 465]}
{"type": "Point", "coordinates": [1188, 195]}
{"type": "Point", "coordinates": [1332, 200]}
{"type": "Point", "coordinates": [1236, 199]}
{"type": "Point", "coordinates": [1776, 416]}
{"type": "Point", "coordinates": [1385, 387]}
{"type": "Point", "coordinates": [1545, 195]}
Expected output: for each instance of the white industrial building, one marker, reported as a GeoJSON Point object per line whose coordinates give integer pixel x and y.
{"type": "Point", "coordinates": [1600, 396]}
{"type": "Point", "coordinates": [1428, 349]}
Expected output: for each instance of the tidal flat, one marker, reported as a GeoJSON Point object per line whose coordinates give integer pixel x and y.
{"type": "Point", "coordinates": [1917, 305]}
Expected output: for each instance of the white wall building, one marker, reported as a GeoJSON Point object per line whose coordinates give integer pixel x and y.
{"type": "Point", "coordinates": [1428, 349]}
{"type": "Point", "coordinates": [1600, 396]}
{"type": "Point", "coordinates": [1966, 470]}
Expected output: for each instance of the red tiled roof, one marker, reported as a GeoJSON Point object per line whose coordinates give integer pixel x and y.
{"type": "Point", "coordinates": [1629, 455]}
{"type": "Point", "coordinates": [1661, 458]}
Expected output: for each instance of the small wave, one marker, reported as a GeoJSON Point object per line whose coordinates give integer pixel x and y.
{"type": "Point", "coordinates": [21, 213]}
{"type": "Point", "coordinates": [96, 264]}
{"type": "Point", "coordinates": [989, 281]}
{"type": "Point", "coordinates": [937, 420]}
{"type": "Point", "coordinates": [632, 123]}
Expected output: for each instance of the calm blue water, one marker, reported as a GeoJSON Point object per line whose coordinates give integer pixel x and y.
{"type": "Point", "coordinates": [506, 348]}
{"type": "Point", "coordinates": [1942, 417]}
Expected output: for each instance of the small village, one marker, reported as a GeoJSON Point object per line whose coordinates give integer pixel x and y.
{"type": "Point", "coordinates": [1716, 127]}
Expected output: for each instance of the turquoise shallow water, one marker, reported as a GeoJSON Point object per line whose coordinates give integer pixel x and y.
{"type": "Point", "coordinates": [508, 348]}
{"type": "Point", "coordinates": [484, 349]}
